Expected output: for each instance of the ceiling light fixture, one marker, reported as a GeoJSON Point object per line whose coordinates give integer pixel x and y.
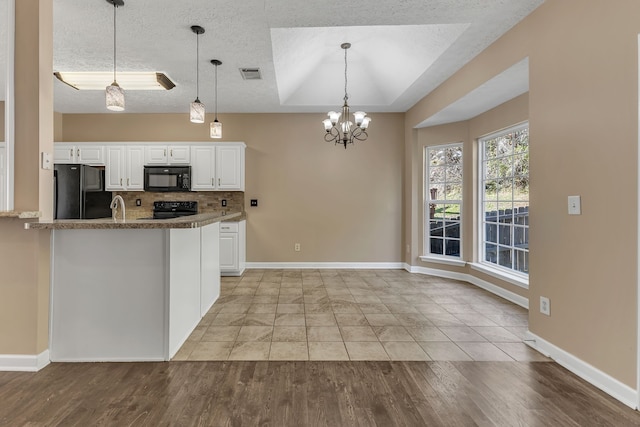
{"type": "Point", "coordinates": [132, 80]}
{"type": "Point", "coordinates": [196, 112]}
{"type": "Point", "coordinates": [216, 126]}
{"type": "Point", "coordinates": [339, 129]}
{"type": "Point", "coordinates": [114, 93]}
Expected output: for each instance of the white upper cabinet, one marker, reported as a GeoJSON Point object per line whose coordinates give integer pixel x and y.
{"type": "Point", "coordinates": [230, 167]}
{"type": "Point", "coordinates": [124, 169]}
{"type": "Point", "coordinates": [217, 167]}
{"type": "Point", "coordinates": [86, 154]}
{"type": "Point", "coordinates": [167, 155]}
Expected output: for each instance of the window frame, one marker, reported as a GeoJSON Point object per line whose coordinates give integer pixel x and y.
{"type": "Point", "coordinates": [426, 197]}
{"type": "Point", "coordinates": [519, 276]}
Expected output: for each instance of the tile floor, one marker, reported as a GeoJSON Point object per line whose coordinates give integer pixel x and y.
{"type": "Point", "coordinates": [357, 315]}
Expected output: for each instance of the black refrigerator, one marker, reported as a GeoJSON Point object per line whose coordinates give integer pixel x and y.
{"type": "Point", "coordinates": [78, 192]}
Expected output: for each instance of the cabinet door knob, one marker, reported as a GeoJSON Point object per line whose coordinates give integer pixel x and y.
{"type": "Point", "coordinates": [127, 182]}
{"type": "Point", "coordinates": [71, 152]}
{"type": "Point", "coordinates": [218, 181]}
{"type": "Point", "coordinates": [171, 152]}
{"type": "Point", "coordinates": [120, 181]}
{"type": "Point", "coordinates": [165, 152]}
{"type": "Point", "coordinates": [212, 182]}
{"type": "Point", "coordinates": [78, 152]}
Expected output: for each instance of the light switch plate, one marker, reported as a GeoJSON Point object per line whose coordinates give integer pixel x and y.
{"type": "Point", "coordinates": [574, 205]}
{"type": "Point", "coordinates": [46, 161]}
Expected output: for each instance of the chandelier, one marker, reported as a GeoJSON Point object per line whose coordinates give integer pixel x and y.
{"type": "Point", "coordinates": [339, 129]}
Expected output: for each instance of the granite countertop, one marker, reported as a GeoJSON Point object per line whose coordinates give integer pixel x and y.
{"type": "Point", "coordinates": [191, 221]}
{"type": "Point", "coordinates": [20, 214]}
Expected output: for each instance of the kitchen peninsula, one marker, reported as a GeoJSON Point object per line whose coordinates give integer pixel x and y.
{"type": "Point", "coordinates": [130, 290]}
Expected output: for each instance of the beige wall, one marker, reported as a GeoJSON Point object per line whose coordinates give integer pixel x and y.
{"type": "Point", "coordinates": [2, 121]}
{"type": "Point", "coordinates": [24, 255]}
{"type": "Point", "coordinates": [583, 112]}
{"type": "Point", "coordinates": [340, 205]}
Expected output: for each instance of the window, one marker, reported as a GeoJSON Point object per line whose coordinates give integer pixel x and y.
{"type": "Point", "coordinates": [443, 200]}
{"type": "Point", "coordinates": [504, 208]}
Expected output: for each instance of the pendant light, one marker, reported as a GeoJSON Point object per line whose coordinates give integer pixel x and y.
{"type": "Point", "coordinates": [114, 93]}
{"type": "Point", "coordinates": [196, 112]}
{"type": "Point", "coordinates": [216, 126]}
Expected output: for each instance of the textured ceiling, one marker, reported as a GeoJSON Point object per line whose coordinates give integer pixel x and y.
{"type": "Point", "coordinates": [401, 50]}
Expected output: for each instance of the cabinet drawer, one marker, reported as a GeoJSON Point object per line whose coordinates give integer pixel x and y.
{"type": "Point", "coordinates": [228, 227]}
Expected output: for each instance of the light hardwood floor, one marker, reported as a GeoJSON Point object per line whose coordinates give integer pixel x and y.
{"type": "Point", "coordinates": [357, 315]}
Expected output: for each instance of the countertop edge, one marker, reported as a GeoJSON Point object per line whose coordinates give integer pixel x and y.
{"type": "Point", "coordinates": [20, 214]}
{"type": "Point", "coordinates": [191, 221]}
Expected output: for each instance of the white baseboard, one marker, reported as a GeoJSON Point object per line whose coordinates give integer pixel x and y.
{"type": "Point", "coordinates": [24, 362]}
{"type": "Point", "coordinates": [496, 290]}
{"type": "Point", "coordinates": [326, 265]}
{"type": "Point", "coordinates": [584, 370]}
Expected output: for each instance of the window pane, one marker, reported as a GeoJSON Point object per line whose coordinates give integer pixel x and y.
{"type": "Point", "coordinates": [504, 256]}
{"type": "Point", "coordinates": [491, 169]}
{"type": "Point", "coordinates": [436, 192]}
{"type": "Point", "coordinates": [436, 174]}
{"type": "Point", "coordinates": [505, 146]}
{"type": "Point", "coordinates": [436, 157]}
{"type": "Point", "coordinates": [505, 213]}
{"type": "Point", "coordinates": [505, 189]}
{"type": "Point", "coordinates": [491, 189]}
{"type": "Point", "coordinates": [491, 233]}
{"type": "Point", "coordinates": [453, 192]}
{"type": "Point", "coordinates": [521, 214]}
{"type": "Point", "coordinates": [452, 229]}
{"type": "Point", "coordinates": [454, 155]}
{"type": "Point", "coordinates": [491, 212]}
{"type": "Point", "coordinates": [452, 247]}
{"type": "Point", "coordinates": [436, 228]}
{"type": "Point", "coordinates": [454, 173]}
{"type": "Point", "coordinates": [521, 237]}
{"type": "Point", "coordinates": [490, 149]}
{"type": "Point", "coordinates": [505, 167]}
{"type": "Point", "coordinates": [521, 165]}
{"type": "Point", "coordinates": [521, 261]}
{"type": "Point", "coordinates": [437, 246]}
{"type": "Point", "coordinates": [504, 234]}
{"type": "Point", "coordinates": [490, 253]}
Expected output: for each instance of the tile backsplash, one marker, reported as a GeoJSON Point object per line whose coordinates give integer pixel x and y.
{"type": "Point", "coordinates": [208, 201]}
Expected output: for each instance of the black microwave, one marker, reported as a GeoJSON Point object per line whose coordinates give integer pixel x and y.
{"type": "Point", "coordinates": [167, 178]}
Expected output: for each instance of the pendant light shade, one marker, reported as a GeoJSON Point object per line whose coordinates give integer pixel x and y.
{"type": "Point", "coordinates": [196, 112]}
{"type": "Point", "coordinates": [115, 97]}
{"type": "Point", "coordinates": [114, 93]}
{"type": "Point", "coordinates": [215, 130]}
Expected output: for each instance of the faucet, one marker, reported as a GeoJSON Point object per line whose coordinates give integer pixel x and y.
{"type": "Point", "coordinates": [114, 207]}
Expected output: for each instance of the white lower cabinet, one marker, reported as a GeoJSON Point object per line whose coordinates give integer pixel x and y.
{"type": "Point", "coordinates": [124, 168]}
{"type": "Point", "coordinates": [233, 248]}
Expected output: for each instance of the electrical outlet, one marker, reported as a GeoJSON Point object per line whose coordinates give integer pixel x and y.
{"type": "Point", "coordinates": [138, 202]}
{"type": "Point", "coordinates": [296, 247]}
{"type": "Point", "coordinates": [224, 202]}
{"type": "Point", "coordinates": [545, 306]}
{"type": "Point", "coordinates": [254, 202]}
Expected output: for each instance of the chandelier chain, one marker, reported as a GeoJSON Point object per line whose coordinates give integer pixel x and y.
{"type": "Point", "coordinates": [345, 76]}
